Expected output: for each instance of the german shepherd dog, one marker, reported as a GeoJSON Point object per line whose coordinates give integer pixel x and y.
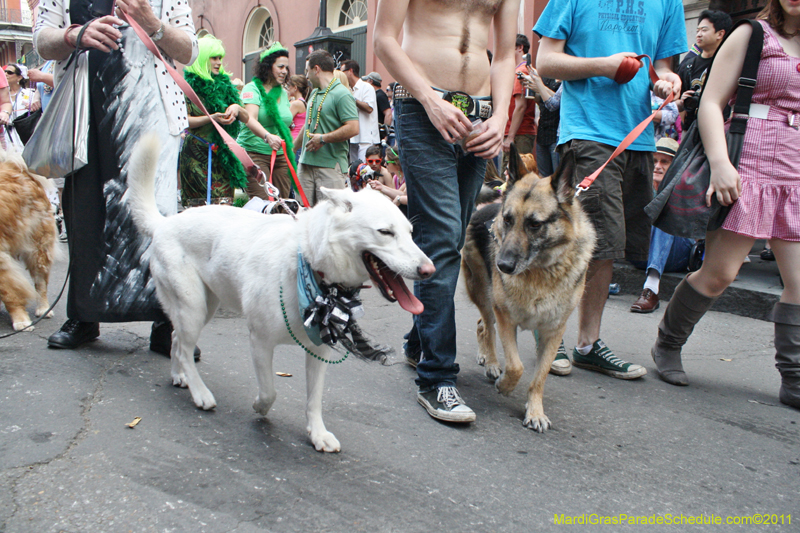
{"type": "Point", "coordinates": [524, 265]}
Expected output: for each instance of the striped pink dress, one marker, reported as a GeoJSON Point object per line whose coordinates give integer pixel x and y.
{"type": "Point", "coordinates": [769, 206]}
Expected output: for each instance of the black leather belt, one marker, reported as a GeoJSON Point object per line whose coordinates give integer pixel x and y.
{"type": "Point", "coordinates": [472, 106]}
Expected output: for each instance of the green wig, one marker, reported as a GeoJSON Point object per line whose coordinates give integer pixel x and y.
{"type": "Point", "coordinates": [209, 47]}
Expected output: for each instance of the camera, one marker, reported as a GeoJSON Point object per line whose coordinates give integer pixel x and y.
{"type": "Point", "coordinates": [690, 103]}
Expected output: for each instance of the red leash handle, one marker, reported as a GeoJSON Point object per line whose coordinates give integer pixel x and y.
{"type": "Point", "coordinates": [625, 73]}
{"type": "Point", "coordinates": [248, 163]}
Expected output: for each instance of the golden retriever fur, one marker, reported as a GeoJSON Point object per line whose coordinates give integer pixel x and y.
{"type": "Point", "coordinates": [28, 237]}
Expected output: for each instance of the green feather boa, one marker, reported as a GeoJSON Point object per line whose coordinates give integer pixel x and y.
{"type": "Point", "coordinates": [270, 102]}
{"type": "Point", "coordinates": [217, 94]}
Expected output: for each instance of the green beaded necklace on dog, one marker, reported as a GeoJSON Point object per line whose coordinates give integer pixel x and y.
{"type": "Point", "coordinates": [300, 344]}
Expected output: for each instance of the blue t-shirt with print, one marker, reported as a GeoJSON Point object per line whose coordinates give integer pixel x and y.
{"type": "Point", "coordinates": [599, 109]}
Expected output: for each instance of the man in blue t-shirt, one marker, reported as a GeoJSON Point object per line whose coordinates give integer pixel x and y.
{"type": "Point", "coordinates": [572, 32]}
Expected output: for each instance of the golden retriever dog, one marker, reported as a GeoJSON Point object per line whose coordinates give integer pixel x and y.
{"type": "Point", "coordinates": [524, 265]}
{"type": "Point", "coordinates": [28, 237]}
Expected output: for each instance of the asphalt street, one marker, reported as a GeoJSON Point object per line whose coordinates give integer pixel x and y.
{"type": "Point", "coordinates": [722, 447]}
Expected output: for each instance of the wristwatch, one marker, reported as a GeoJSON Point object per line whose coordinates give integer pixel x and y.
{"type": "Point", "coordinates": [321, 139]}
{"type": "Point", "coordinates": [159, 34]}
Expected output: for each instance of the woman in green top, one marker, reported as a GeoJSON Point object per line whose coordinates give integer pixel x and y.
{"type": "Point", "coordinates": [265, 98]}
{"type": "Point", "coordinates": [211, 83]}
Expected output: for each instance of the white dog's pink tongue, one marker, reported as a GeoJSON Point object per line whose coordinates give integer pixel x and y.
{"type": "Point", "coordinates": [404, 297]}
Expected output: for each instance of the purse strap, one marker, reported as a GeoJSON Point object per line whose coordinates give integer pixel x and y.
{"type": "Point", "coordinates": [747, 79]}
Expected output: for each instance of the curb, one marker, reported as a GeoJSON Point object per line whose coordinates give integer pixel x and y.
{"type": "Point", "coordinates": [737, 300]}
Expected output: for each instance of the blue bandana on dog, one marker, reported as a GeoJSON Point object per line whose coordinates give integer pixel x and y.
{"type": "Point", "coordinates": [327, 310]}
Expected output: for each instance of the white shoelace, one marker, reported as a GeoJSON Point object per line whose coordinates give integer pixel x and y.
{"type": "Point", "coordinates": [449, 397]}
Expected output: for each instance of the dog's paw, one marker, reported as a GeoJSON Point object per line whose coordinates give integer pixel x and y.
{"type": "Point", "coordinates": [263, 405]}
{"type": "Point", "coordinates": [325, 441]}
{"type": "Point", "coordinates": [203, 399]}
{"type": "Point", "coordinates": [179, 380]}
{"type": "Point", "coordinates": [41, 311]}
{"type": "Point", "coordinates": [505, 385]}
{"type": "Point", "coordinates": [540, 424]}
{"type": "Point", "coordinates": [492, 371]}
{"type": "Point", "coordinates": [24, 325]}
{"type": "Point", "coordinates": [481, 359]}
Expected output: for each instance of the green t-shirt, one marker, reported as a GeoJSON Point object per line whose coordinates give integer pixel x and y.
{"type": "Point", "coordinates": [339, 107]}
{"type": "Point", "coordinates": [247, 138]}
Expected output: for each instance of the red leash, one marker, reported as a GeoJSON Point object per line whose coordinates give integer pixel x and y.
{"type": "Point", "coordinates": [248, 163]}
{"type": "Point", "coordinates": [297, 185]}
{"type": "Point", "coordinates": [625, 73]}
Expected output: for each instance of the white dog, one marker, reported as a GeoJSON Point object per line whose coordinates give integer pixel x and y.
{"type": "Point", "coordinates": [248, 262]}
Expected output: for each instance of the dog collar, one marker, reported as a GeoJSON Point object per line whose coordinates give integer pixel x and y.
{"type": "Point", "coordinates": [327, 310]}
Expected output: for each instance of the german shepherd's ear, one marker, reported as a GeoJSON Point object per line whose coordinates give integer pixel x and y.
{"type": "Point", "coordinates": [562, 179]}
{"type": "Point", "coordinates": [516, 167]}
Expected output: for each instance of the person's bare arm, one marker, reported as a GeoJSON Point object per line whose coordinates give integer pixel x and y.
{"type": "Point", "coordinates": [720, 86]}
{"type": "Point", "coordinates": [5, 106]}
{"type": "Point", "coordinates": [446, 118]}
{"type": "Point", "coordinates": [260, 131]}
{"type": "Point", "coordinates": [520, 106]}
{"type": "Point", "coordinates": [37, 76]}
{"type": "Point", "coordinates": [387, 117]}
{"type": "Point", "coordinates": [553, 62]}
{"type": "Point", "coordinates": [363, 106]}
{"type": "Point", "coordinates": [344, 133]}
{"type": "Point", "coordinates": [504, 25]}
{"type": "Point", "coordinates": [58, 43]}
{"type": "Point", "coordinates": [669, 81]}
{"type": "Point", "coordinates": [176, 43]}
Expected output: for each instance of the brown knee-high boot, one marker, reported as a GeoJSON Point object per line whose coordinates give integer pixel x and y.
{"type": "Point", "coordinates": [787, 351]}
{"type": "Point", "coordinates": [685, 309]}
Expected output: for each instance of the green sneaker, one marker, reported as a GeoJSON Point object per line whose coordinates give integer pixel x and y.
{"type": "Point", "coordinates": [601, 359]}
{"type": "Point", "coordinates": [561, 365]}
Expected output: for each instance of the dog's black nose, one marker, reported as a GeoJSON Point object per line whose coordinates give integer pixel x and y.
{"type": "Point", "coordinates": [506, 265]}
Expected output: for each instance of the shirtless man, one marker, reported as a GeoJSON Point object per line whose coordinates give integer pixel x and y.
{"type": "Point", "coordinates": [445, 85]}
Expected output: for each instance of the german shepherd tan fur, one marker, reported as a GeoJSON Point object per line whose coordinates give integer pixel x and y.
{"type": "Point", "coordinates": [527, 271]}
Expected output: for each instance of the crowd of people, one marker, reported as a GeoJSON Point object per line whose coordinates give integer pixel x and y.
{"type": "Point", "coordinates": [425, 141]}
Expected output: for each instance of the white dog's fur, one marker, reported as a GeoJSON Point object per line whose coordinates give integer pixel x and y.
{"type": "Point", "coordinates": [214, 255]}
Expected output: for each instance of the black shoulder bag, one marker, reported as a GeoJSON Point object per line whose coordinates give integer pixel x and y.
{"type": "Point", "coordinates": [679, 207]}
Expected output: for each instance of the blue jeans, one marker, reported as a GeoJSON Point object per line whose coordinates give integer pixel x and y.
{"type": "Point", "coordinates": [443, 183]}
{"type": "Point", "coordinates": [547, 158]}
{"type": "Point", "coordinates": [667, 253]}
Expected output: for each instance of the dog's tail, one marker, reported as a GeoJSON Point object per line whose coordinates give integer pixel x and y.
{"type": "Point", "coordinates": [141, 184]}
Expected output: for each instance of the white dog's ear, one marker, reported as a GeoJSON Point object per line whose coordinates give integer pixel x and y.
{"type": "Point", "coordinates": [339, 197]}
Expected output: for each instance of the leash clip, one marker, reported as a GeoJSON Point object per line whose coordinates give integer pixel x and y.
{"type": "Point", "coordinates": [579, 190]}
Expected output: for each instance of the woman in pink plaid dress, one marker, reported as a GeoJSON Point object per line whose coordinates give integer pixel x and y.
{"type": "Point", "coordinates": [764, 193]}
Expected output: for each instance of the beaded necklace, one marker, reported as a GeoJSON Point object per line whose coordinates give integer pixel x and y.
{"type": "Point", "coordinates": [319, 108]}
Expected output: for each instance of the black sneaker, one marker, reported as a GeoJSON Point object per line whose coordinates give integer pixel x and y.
{"type": "Point", "coordinates": [446, 404]}
{"type": "Point", "coordinates": [367, 348]}
{"type": "Point", "coordinates": [73, 334]}
{"type": "Point", "coordinates": [412, 358]}
{"type": "Point", "coordinates": [161, 339]}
